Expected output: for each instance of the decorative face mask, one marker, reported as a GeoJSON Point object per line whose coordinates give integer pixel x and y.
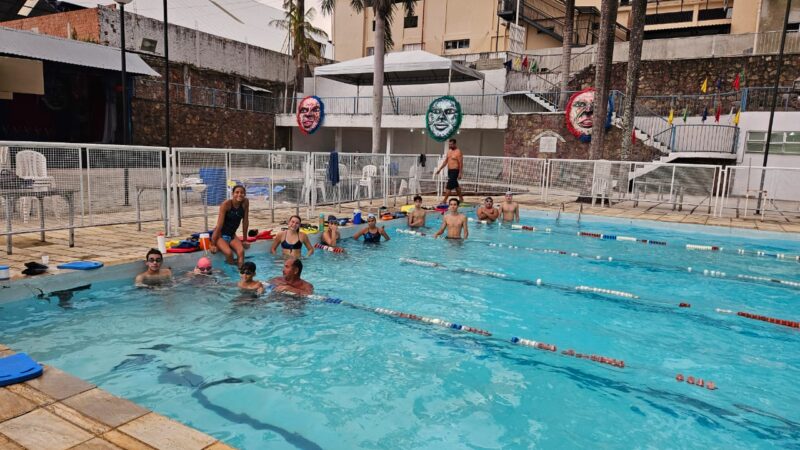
{"type": "Point", "coordinates": [310, 114]}
{"type": "Point", "coordinates": [580, 114]}
{"type": "Point", "coordinates": [443, 118]}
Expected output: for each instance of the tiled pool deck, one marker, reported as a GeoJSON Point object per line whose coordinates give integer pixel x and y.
{"type": "Point", "coordinates": [58, 411]}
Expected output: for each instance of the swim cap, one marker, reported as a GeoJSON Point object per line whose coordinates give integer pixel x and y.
{"type": "Point", "coordinates": [203, 262]}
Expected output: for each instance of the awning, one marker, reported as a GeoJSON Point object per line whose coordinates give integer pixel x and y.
{"type": "Point", "coordinates": [256, 88]}
{"type": "Point", "coordinates": [23, 76]}
{"type": "Point", "coordinates": [400, 68]}
{"type": "Point", "coordinates": [48, 48]}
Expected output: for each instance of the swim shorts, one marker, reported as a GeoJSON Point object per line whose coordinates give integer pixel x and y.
{"type": "Point", "coordinates": [452, 179]}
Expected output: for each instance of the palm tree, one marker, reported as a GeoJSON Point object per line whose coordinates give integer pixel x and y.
{"type": "Point", "coordinates": [301, 33]}
{"type": "Point", "coordinates": [638, 9]}
{"type": "Point", "coordinates": [566, 53]}
{"type": "Point", "coordinates": [383, 11]}
{"type": "Point", "coordinates": [602, 76]}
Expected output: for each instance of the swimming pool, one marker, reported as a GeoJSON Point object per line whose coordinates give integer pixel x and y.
{"type": "Point", "coordinates": [294, 374]}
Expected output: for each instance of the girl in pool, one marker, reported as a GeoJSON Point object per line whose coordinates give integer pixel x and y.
{"type": "Point", "coordinates": [231, 213]}
{"type": "Point", "coordinates": [292, 240]}
{"type": "Point", "coordinates": [372, 234]}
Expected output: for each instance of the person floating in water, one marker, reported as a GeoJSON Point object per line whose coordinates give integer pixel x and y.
{"type": "Point", "coordinates": [155, 273]}
{"type": "Point", "coordinates": [292, 233]}
{"type": "Point", "coordinates": [487, 211]}
{"type": "Point", "coordinates": [453, 222]}
{"type": "Point", "coordinates": [203, 267]}
{"type": "Point", "coordinates": [416, 217]}
{"type": "Point", "coordinates": [372, 234]}
{"type": "Point", "coordinates": [455, 169]}
{"type": "Point", "coordinates": [510, 208]}
{"type": "Point", "coordinates": [331, 234]}
{"type": "Point", "coordinates": [231, 213]}
{"type": "Point", "coordinates": [247, 281]}
{"type": "Point", "coordinates": [291, 281]}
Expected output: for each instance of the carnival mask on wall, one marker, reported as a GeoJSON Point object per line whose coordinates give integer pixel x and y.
{"type": "Point", "coordinates": [580, 114]}
{"type": "Point", "coordinates": [443, 118]}
{"type": "Point", "coordinates": [310, 114]}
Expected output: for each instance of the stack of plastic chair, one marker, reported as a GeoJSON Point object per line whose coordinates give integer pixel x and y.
{"type": "Point", "coordinates": [32, 165]}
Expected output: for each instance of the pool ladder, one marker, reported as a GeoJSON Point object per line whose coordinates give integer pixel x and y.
{"type": "Point", "coordinates": [580, 211]}
{"type": "Point", "coordinates": [558, 214]}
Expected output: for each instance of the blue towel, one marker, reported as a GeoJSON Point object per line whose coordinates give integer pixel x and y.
{"type": "Point", "coordinates": [333, 168]}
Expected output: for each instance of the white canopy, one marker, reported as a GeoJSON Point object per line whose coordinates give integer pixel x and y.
{"type": "Point", "coordinates": [400, 68]}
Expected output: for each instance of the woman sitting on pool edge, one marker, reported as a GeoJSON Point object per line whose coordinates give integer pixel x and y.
{"type": "Point", "coordinates": [372, 234]}
{"type": "Point", "coordinates": [293, 233]}
{"type": "Point", "coordinates": [232, 212]}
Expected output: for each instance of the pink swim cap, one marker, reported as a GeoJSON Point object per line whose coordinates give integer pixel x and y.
{"type": "Point", "coordinates": [203, 262]}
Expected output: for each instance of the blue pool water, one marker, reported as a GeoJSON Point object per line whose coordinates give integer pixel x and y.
{"type": "Point", "coordinates": [281, 373]}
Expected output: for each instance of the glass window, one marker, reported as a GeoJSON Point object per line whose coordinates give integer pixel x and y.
{"type": "Point", "coordinates": [456, 44]}
{"type": "Point", "coordinates": [410, 22]}
{"type": "Point", "coordinates": [370, 51]}
{"type": "Point", "coordinates": [781, 142]}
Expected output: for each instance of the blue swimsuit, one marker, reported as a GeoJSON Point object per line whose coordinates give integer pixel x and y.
{"type": "Point", "coordinates": [372, 238]}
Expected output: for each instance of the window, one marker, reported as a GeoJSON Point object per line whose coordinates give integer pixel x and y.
{"type": "Point", "coordinates": [410, 22]}
{"type": "Point", "coordinates": [410, 47]}
{"type": "Point", "coordinates": [373, 25]}
{"type": "Point", "coordinates": [148, 45]}
{"type": "Point", "coordinates": [787, 142]}
{"type": "Point", "coordinates": [456, 44]}
{"type": "Point", "coordinates": [370, 51]}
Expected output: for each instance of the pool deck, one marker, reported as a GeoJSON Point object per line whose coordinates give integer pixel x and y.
{"type": "Point", "coordinates": [58, 411]}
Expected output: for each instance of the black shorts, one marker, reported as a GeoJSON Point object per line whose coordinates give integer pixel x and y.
{"type": "Point", "coordinates": [452, 179]}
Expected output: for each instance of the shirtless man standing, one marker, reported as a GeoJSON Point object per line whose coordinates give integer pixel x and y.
{"type": "Point", "coordinates": [416, 218]}
{"type": "Point", "coordinates": [453, 222]}
{"type": "Point", "coordinates": [487, 211]}
{"type": "Point", "coordinates": [510, 208]}
{"type": "Point", "coordinates": [455, 169]}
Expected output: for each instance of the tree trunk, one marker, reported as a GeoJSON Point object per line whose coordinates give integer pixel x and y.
{"type": "Point", "coordinates": [638, 9]}
{"type": "Point", "coordinates": [602, 77]}
{"type": "Point", "coordinates": [377, 83]}
{"type": "Point", "coordinates": [300, 63]}
{"type": "Point", "coordinates": [566, 52]}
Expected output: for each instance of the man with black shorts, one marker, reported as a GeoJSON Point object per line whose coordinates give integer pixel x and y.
{"type": "Point", "coordinates": [455, 169]}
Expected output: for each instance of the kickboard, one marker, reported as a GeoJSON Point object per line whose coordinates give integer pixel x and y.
{"type": "Point", "coordinates": [17, 368]}
{"type": "Point", "coordinates": [81, 265]}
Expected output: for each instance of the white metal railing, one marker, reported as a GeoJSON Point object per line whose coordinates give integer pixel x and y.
{"type": "Point", "coordinates": [55, 186]}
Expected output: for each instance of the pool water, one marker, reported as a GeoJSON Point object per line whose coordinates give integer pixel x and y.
{"type": "Point", "coordinates": [285, 373]}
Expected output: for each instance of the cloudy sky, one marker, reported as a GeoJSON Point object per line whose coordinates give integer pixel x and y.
{"type": "Point", "coordinates": [320, 21]}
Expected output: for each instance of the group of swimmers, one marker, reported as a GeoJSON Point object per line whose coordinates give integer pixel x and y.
{"type": "Point", "coordinates": [234, 213]}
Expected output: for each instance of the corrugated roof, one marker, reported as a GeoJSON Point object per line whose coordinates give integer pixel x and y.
{"type": "Point", "coordinates": [68, 51]}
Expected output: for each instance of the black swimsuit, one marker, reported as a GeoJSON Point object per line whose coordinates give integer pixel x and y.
{"type": "Point", "coordinates": [233, 217]}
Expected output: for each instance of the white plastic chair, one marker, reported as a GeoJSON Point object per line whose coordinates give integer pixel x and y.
{"type": "Point", "coordinates": [367, 174]}
{"type": "Point", "coordinates": [311, 184]}
{"type": "Point", "coordinates": [32, 165]}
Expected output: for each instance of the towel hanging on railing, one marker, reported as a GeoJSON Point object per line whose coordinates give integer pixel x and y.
{"type": "Point", "coordinates": [422, 159]}
{"type": "Point", "coordinates": [333, 168]}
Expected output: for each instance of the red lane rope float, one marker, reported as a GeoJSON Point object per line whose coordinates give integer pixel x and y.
{"type": "Point", "coordinates": [684, 305]}
{"type": "Point", "coordinates": [772, 320]}
{"type": "Point", "coordinates": [596, 358]}
{"type": "Point", "coordinates": [533, 344]}
{"type": "Point", "coordinates": [328, 248]}
{"type": "Point", "coordinates": [699, 382]}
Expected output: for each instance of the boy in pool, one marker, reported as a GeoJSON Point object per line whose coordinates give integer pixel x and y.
{"type": "Point", "coordinates": [416, 218]}
{"type": "Point", "coordinates": [155, 273]}
{"type": "Point", "coordinates": [203, 266]}
{"type": "Point", "coordinates": [510, 208]}
{"type": "Point", "coordinates": [487, 211]}
{"type": "Point", "coordinates": [453, 222]}
{"type": "Point", "coordinates": [247, 283]}
{"type": "Point", "coordinates": [331, 234]}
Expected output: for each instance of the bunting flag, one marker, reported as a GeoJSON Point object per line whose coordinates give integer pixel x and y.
{"type": "Point", "coordinates": [508, 65]}
{"type": "Point", "coordinates": [736, 118]}
{"type": "Point", "coordinates": [704, 86]}
{"type": "Point", "coordinates": [718, 113]}
{"type": "Point", "coordinates": [517, 63]}
{"type": "Point", "coordinates": [737, 82]}
{"type": "Point", "coordinates": [525, 63]}
{"type": "Point", "coordinates": [633, 136]}
{"type": "Point", "coordinates": [705, 114]}
{"type": "Point", "coordinates": [685, 114]}
{"type": "Point", "coordinates": [719, 84]}
{"type": "Point", "coordinates": [534, 66]}
{"type": "Point", "coordinates": [671, 116]}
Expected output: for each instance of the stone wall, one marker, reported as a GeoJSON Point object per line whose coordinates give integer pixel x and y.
{"type": "Point", "coordinates": [201, 126]}
{"type": "Point", "coordinates": [684, 76]}
{"type": "Point", "coordinates": [523, 128]}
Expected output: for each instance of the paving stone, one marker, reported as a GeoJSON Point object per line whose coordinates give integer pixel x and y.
{"type": "Point", "coordinates": [23, 390]}
{"type": "Point", "coordinates": [219, 446]}
{"type": "Point", "coordinates": [13, 405]}
{"type": "Point", "coordinates": [105, 408]}
{"type": "Point", "coordinates": [42, 430]}
{"type": "Point", "coordinates": [7, 444]}
{"type": "Point", "coordinates": [124, 441]}
{"type": "Point", "coordinates": [163, 433]}
{"type": "Point", "coordinates": [58, 384]}
{"type": "Point", "coordinates": [7, 352]}
{"type": "Point", "coordinates": [96, 444]}
{"type": "Point", "coordinates": [76, 418]}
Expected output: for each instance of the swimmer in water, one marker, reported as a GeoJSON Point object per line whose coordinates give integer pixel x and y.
{"type": "Point", "coordinates": [247, 281]}
{"type": "Point", "coordinates": [155, 273]}
{"type": "Point", "coordinates": [292, 233]}
{"type": "Point", "coordinates": [416, 218]}
{"type": "Point", "coordinates": [291, 281]}
{"type": "Point", "coordinates": [372, 234]}
{"type": "Point", "coordinates": [509, 208]}
{"type": "Point", "coordinates": [487, 211]}
{"type": "Point", "coordinates": [453, 222]}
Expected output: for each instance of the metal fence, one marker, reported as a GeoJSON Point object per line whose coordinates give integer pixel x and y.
{"type": "Point", "coordinates": [51, 186]}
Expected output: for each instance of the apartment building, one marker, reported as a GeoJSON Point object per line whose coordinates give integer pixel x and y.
{"type": "Point", "coordinates": [452, 27]}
